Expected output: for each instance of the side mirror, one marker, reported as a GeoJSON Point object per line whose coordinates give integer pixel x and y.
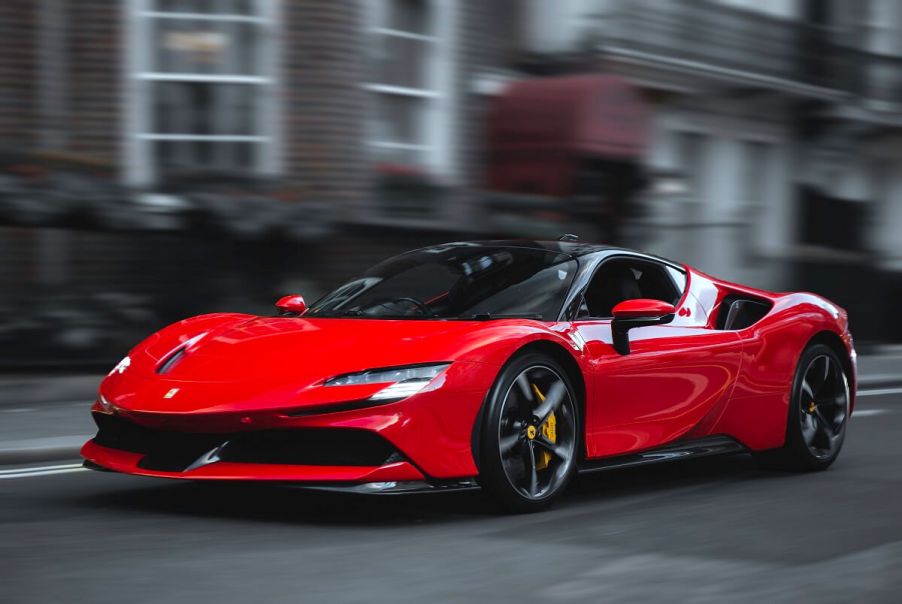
{"type": "Point", "coordinates": [640, 312]}
{"type": "Point", "coordinates": [292, 304]}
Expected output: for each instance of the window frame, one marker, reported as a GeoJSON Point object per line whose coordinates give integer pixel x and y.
{"type": "Point", "coordinates": [140, 75]}
{"type": "Point", "coordinates": [571, 308]}
{"type": "Point", "coordinates": [435, 98]}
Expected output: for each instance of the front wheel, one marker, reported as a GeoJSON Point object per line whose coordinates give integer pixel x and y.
{"type": "Point", "coordinates": [818, 413]}
{"type": "Point", "coordinates": [529, 436]}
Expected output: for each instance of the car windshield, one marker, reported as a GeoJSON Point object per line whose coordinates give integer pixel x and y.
{"type": "Point", "coordinates": [457, 282]}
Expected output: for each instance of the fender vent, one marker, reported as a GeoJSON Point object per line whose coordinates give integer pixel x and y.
{"type": "Point", "coordinates": [739, 312]}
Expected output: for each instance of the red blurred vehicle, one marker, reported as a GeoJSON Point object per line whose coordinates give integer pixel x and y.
{"type": "Point", "coordinates": [503, 365]}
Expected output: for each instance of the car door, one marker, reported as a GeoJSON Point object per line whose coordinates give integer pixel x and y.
{"type": "Point", "coordinates": [674, 375]}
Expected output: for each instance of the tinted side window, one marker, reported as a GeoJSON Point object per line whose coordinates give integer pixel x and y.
{"type": "Point", "coordinates": [618, 280]}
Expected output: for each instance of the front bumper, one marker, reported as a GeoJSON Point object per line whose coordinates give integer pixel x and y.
{"type": "Point", "coordinates": [424, 439]}
{"type": "Point", "coordinates": [305, 454]}
{"type": "Point", "coordinates": [130, 463]}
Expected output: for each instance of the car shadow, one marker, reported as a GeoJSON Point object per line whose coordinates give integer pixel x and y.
{"type": "Point", "coordinates": [282, 504]}
{"type": "Point", "coordinates": [664, 477]}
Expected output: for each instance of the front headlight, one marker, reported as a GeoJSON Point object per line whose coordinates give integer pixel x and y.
{"type": "Point", "coordinates": [402, 381]}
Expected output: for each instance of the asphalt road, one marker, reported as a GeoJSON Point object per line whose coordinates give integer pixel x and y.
{"type": "Point", "coordinates": [713, 530]}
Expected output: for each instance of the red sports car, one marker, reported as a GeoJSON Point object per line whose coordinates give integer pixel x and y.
{"type": "Point", "coordinates": [503, 365]}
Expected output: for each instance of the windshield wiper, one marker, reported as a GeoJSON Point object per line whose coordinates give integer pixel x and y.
{"type": "Point", "coordinates": [335, 314]}
{"type": "Point", "coordinates": [358, 314]}
{"type": "Point", "coordinates": [487, 316]}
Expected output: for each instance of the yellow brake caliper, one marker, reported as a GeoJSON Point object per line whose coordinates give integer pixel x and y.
{"type": "Point", "coordinates": [548, 431]}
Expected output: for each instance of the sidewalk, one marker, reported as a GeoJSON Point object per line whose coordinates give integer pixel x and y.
{"type": "Point", "coordinates": [45, 418]}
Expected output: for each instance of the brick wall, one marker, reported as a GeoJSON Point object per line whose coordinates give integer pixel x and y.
{"type": "Point", "coordinates": [95, 70]}
{"type": "Point", "coordinates": [323, 104]}
{"type": "Point", "coordinates": [17, 102]}
{"type": "Point", "coordinates": [60, 76]}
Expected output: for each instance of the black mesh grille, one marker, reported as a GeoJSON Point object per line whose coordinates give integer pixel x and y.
{"type": "Point", "coordinates": [173, 451]}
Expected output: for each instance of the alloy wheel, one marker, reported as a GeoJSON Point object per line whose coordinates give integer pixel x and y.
{"type": "Point", "coordinates": [823, 405]}
{"type": "Point", "coordinates": [537, 432]}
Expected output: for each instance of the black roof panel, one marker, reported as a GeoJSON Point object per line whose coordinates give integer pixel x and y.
{"type": "Point", "coordinates": [571, 248]}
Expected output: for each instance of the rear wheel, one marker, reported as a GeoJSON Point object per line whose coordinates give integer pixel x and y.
{"type": "Point", "coordinates": [818, 413]}
{"type": "Point", "coordinates": [529, 434]}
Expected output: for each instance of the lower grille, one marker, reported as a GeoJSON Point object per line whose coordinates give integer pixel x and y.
{"type": "Point", "coordinates": [172, 451]}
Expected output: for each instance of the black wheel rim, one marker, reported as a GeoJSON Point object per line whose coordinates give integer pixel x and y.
{"type": "Point", "coordinates": [823, 405]}
{"type": "Point", "coordinates": [537, 432]}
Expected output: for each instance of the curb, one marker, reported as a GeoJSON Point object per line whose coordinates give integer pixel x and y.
{"type": "Point", "coordinates": [35, 450]}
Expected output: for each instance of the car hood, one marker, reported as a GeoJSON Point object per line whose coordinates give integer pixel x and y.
{"type": "Point", "coordinates": [275, 349]}
{"type": "Point", "coordinates": [264, 362]}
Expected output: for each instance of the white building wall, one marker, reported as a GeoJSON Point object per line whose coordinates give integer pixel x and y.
{"type": "Point", "coordinates": [887, 217]}
{"type": "Point", "coordinates": [884, 23]}
{"type": "Point", "coordinates": [777, 8]}
{"type": "Point", "coordinates": [776, 221]}
{"type": "Point", "coordinates": [726, 217]}
{"type": "Point", "coordinates": [553, 26]}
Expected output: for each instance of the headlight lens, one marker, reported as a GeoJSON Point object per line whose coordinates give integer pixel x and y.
{"type": "Point", "coordinates": [403, 381]}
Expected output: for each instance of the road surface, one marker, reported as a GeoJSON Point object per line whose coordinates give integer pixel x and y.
{"type": "Point", "coordinates": [712, 530]}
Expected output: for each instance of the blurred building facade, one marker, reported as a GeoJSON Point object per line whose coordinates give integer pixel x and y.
{"type": "Point", "coordinates": [776, 128]}
{"type": "Point", "coordinates": [781, 120]}
{"type": "Point", "coordinates": [325, 93]}
{"type": "Point", "coordinates": [777, 140]}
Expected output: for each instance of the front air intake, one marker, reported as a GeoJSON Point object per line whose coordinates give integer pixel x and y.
{"type": "Point", "coordinates": [175, 451]}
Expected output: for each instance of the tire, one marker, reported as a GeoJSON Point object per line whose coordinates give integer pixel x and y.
{"type": "Point", "coordinates": [818, 414]}
{"type": "Point", "coordinates": [526, 461]}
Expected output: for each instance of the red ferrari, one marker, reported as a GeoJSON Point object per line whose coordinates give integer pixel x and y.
{"type": "Point", "coordinates": [502, 365]}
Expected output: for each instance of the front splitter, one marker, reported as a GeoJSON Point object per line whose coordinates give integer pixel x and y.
{"type": "Point", "coordinates": [395, 487]}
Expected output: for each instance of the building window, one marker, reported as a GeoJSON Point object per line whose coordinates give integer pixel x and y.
{"type": "Point", "coordinates": [411, 71]}
{"type": "Point", "coordinates": [202, 80]}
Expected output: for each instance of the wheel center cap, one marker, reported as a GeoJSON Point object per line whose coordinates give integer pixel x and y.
{"type": "Point", "coordinates": [811, 407]}
{"type": "Point", "coordinates": [531, 432]}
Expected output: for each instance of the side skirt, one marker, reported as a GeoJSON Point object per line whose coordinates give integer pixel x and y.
{"type": "Point", "coordinates": [702, 447]}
